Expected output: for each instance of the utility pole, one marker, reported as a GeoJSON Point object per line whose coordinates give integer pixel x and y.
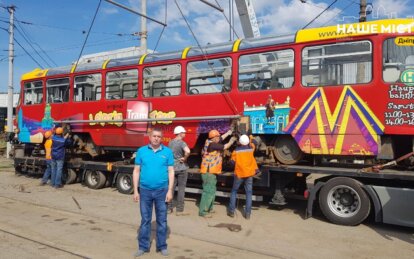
{"type": "Point", "coordinates": [10, 89]}
{"type": "Point", "coordinates": [362, 18]}
{"type": "Point", "coordinates": [144, 27]}
{"type": "Point", "coordinates": [231, 19]}
{"type": "Point", "coordinates": [363, 11]}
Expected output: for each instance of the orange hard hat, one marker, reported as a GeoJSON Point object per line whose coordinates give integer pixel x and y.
{"type": "Point", "coordinates": [59, 131]}
{"type": "Point", "coordinates": [48, 134]}
{"type": "Point", "coordinates": [213, 134]}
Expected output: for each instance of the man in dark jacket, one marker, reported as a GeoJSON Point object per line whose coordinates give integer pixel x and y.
{"type": "Point", "coordinates": [59, 144]}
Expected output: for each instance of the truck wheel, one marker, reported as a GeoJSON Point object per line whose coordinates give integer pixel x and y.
{"type": "Point", "coordinates": [344, 202]}
{"type": "Point", "coordinates": [124, 183]}
{"type": "Point", "coordinates": [18, 170]}
{"type": "Point", "coordinates": [95, 179]}
{"type": "Point", "coordinates": [69, 176]}
{"type": "Point", "coordinates": [287, 150]}
{"type": "Point", "coordinates": [109, 179]}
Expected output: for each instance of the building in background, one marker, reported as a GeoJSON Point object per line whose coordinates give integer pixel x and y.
{"type": "Point", "coordinates": [3, 108]}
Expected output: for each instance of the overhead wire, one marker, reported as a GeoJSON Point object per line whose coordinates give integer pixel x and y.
{"type": "Point", "coordinates": [87, 35]}
{"type": "Point", "coordinates": [346, 7]}
{"type": "Point", "coordinates": [231, 26]}
{"type": "Point", "coordinates": [35, 43]}
{"type": "Point", "coordinates": [5, 20]}
{"type": "Point", "coordinates": [31, 45]}
{"type": "Point", "coordinates": [28, 53]}
{"type": "Point", "coordinates": [163, 28]}
{"type": "Point", "coordinates": [329, 6]}
{"type": "Point", "coordinates": [206, 58]}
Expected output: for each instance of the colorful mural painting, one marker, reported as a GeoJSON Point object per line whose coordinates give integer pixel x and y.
{"type": "Point", "coordinates": [352, 129]}
{"type": "Point", "coordinates": [261, 124]}
{"type": "Point", "coordinates": [31, 131]}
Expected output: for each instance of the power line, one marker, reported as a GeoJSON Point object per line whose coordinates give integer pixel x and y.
{"type": "Point", "coordinates": [33, 42]}
{"type": "Point", "coordinates": [65, 28]}
{"type": "Point", "coordinates": [163, 28]}
{"type": "Point", "coordinates": [309, 23]}
{"type": "Point", "coordinates": [312, 4]}
{"type": "Point", "coordinates": [31, 45]}
{"type": "Point", "coordinates": [87, 35]}
{"type": "Point", "coordinates": [28, 54]}
{"type": "Point", "coordinates": [228, 21]}
{"type": "Point", "coordinates": [346, 7]}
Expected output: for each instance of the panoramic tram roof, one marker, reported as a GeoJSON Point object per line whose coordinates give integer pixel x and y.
{"type": "Point", "coordinates": [305, 35]}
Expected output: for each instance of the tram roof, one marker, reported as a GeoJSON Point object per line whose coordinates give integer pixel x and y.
{"type": "Point", "coordinates": [306, 35]}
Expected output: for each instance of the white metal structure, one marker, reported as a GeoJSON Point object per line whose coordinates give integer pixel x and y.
{"type": "Point", "coordinates": [248, 18]}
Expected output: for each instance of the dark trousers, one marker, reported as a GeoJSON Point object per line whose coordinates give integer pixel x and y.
{"type": "Point", "coordinates": [180, 179]}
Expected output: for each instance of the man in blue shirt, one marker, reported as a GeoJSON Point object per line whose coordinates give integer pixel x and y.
{"type": "Point", "coordinates": [154, 175]}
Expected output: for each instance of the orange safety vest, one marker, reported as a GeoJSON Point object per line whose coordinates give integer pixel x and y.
{"type": "Point", "coordinates": [245, 163]}
{"type": "Point", "coordinates": [48, 148]}
{"type": "Point", "coordinates": [211, 161]}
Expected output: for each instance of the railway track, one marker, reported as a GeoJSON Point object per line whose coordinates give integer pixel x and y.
{"type": "Point", "coordinates": [183, 233]}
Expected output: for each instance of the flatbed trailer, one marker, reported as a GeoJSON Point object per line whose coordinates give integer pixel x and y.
{"type": "Point", "coordinates": [346, 196]}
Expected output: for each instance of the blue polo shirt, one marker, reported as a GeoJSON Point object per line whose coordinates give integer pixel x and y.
{"type": "Point", "coordinates": [154, 166]}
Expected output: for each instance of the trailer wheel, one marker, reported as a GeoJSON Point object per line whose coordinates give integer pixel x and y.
{"type": "Point", "coordinates": [95, 179]}
{"type": "Point", "coordinates": [70, 176]}
{"type": "Point", "coordinates": [124, 183]}
{"type": "Point", "coordinates": [344, 202]}
{"type": "Point", "coordinates": [18, 170]}
{"type": "Point", "coordinates": [287, 150]}
{"type": "Point", "coordinates": [109, 179]}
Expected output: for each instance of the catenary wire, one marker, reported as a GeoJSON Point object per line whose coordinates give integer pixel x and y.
{"type": "Point", "coordinates": [232, 28]}
{"type": "Point", "coordinates": [35, 43]}
{"type": "Point", "coordinates": [228, 99]}
{"type": "Point", "coordinates": [87, 35]}
{"type": "Point", "coordinates": [309, 23]}
{"type": "Point", "coordinates": [31, 45]}
{"type": "Point", "coordinates": [28, 53]}
{"type": "Point", "coordinates": [163, 28]}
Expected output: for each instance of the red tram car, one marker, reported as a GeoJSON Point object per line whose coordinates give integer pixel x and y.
{"type": "Point", "coordinates": [339, 91]}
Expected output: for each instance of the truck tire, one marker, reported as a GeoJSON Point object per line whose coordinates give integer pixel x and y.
{"type": "Point", "coordinates": [109, 179]}
{"type": "Point", "coordinates": [124, 183]}
{"type": "Point", "coordinates": [95, 179]}
{"type": "Point", "coordinates": [69, 176]}
{"type": "Point", "coordinates": [344, 202]}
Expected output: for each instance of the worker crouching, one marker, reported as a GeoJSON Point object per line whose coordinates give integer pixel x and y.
{"type": "Point", "coordinates": [245, 167]}
{"type": "Point", "coordinates": [211, 165]}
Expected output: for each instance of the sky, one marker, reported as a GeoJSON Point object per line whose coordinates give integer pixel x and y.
{"type": "Point", "coordinates": [50, 33]}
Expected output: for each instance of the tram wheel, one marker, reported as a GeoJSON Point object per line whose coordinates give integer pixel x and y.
{"type": "Point", "coordinates": [95, 179]}
{"type": "Point", "coordinates": [124, 183]}
{"type": "Point", "coordinates": [287, 150]}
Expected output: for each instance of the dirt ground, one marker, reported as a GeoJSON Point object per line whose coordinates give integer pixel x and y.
{"type": "Point", "coordinates": [41, 222]}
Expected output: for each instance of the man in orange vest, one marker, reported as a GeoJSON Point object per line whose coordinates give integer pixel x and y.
{"type": "Point", "coordinates": [211, 166]}
{"type": "Point", "coordinates": [48, 149]}
{"type": "Point", "coordinates": [244, 170]}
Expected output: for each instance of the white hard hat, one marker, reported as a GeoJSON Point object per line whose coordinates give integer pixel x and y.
{"type": "Point", "coordinates": [178, 130]}
{"type": "Point", "coordinates": [244, 140]}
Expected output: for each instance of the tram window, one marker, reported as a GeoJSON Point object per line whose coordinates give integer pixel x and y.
{"type": "Point", "coordinates": [269, 70]}
{"type": "Point", "coordinates": [57, 90]}
{"type": "Point", "coordinates": [87, 88]}
{"type": "Point", "coordinates": [209, 76]}
{"type": "Point", "coordinates": [337, 64]}
{"type": "Point", "coordinates": [395, 60]}
{"type": "Point", "coordinates": [122, 84]}
{"type": "Point", "coordinates": [162, 81]}
{"type": "Point", "coordinates": [33, 92]}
